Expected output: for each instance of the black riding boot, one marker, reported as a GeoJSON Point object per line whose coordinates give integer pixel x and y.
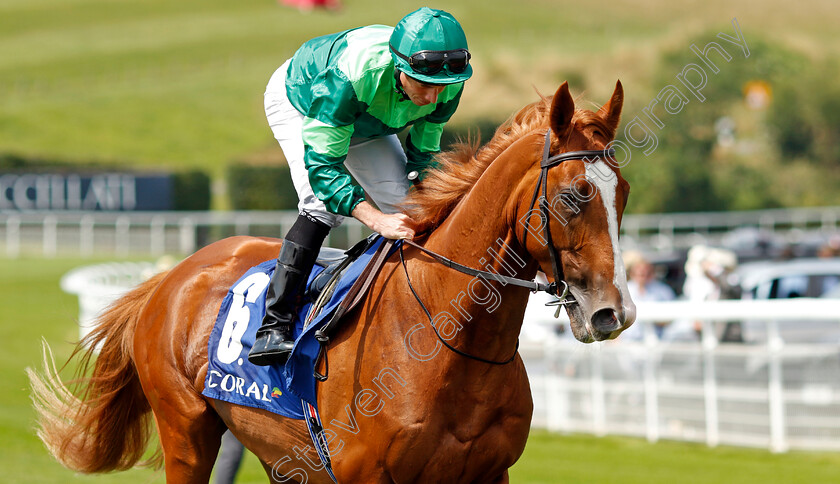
{"type": "Point", "coordinates": [274, 340]}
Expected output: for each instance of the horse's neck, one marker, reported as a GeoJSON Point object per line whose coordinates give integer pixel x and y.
{"type": "Point", "coordinates": [478, 234]}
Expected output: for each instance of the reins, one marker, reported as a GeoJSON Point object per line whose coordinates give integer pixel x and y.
{"type": "Point", "coordinates": [429, 315]}
{"type": "Point", "coordinates": [534, 286]}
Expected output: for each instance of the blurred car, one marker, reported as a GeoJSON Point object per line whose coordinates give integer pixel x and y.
{"type": "Point", "coordinates": [809, 277]}
{"type": "Point", "coordinates": [806, 277]}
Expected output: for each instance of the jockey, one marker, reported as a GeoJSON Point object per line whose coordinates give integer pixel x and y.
{"type": "Point", "coordinates": [335, 108]}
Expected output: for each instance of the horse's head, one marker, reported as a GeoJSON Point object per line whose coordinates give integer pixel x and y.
{"type": "Point", "coordinates": [583, 199]}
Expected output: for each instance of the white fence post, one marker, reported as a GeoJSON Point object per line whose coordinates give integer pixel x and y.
{"type": "Point", "coordinates": [651, 343]}
{"type": "Point", "coordinates": [709, 342]}
{"type": "Point", "coordinates": [767, 222]}
{"type": "Point", "coordinates": [187, 236]}
{"type": "Point", "coordinates": [157, 236]}
{"type": "Point", "coordinates": [86, 236]}
{"type": "Point", "coordinates": [13, 237]}
{"type": "Point", "coordinates": [556, 393]}
{"type": "Point", "coordinates": [828, 221]}
{"type": "Point", "coordinates": [666, 233]}
{"type": "Point", "coordinates": [243, 225]}
{"type": "Point", "coordinates": [778, 437]}
{"type": "Point", "coordinates": [599, 409]}
{"type": "Point", "coordinates": [50, 236]}
{"type": "Point", "coordinates": [123, 239]}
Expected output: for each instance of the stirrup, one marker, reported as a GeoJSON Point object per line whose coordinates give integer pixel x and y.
{"type": "Point", "coordinates": [271, 347]}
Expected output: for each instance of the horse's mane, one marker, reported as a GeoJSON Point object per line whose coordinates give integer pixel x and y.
{"type": "Point", "coordinates": [463, 165]}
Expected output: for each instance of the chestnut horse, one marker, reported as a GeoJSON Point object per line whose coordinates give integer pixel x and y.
{"type": "Point", "coordinates": [398, 406]}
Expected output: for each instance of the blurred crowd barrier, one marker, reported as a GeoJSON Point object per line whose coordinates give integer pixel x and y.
{"type": "Point", "coordinates": [49, 234]}
{"type": "Point", "coordinates": [772, 388]}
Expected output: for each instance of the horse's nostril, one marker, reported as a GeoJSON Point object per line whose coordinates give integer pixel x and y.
{"type": "Point", "coordinates": [605, 321]}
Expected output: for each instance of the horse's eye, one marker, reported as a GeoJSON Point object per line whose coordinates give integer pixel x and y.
{"type": "Point", "coordinates": [567, 203]}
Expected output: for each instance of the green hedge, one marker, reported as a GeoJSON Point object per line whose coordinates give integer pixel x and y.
{"type": "Point", "coordinates": [191, 190]}
{"type": "Point", "coordinates": [261, 187]}
{"type": "Point", "coordinates": [9, 161]}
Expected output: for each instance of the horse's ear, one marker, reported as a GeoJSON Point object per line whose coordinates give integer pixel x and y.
{"type": "Point", "coordinates": [611, 112]}
{"type": "Point", "coordinates": [562, 109]}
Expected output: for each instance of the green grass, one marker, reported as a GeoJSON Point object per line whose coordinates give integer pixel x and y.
{"type": "Point", "coordinates": [573, 459]}
{"type": "Point", "coordinates": [156, 83]}
{"type": "Point", "coordinates": [33, 307]}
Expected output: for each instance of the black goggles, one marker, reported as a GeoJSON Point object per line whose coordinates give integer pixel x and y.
{"type": "Point", "coordinates": [430, 62]}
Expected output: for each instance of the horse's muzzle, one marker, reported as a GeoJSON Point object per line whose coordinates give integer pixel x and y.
{"type": "Point", "coordinates": [604, 322]}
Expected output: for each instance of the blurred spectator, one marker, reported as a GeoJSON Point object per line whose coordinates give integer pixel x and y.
{"type": "Point", "coordinates": [787, 253]}
{"type": "Point", "coordinates": [644, 286]}
{"type": "Point", "coordinates": [229, 460]}
{"type": "Point", "coordinates": [830, 248]}
{"type": "Point", "coordinates": [642, 281]}
{"type": "Point", "coordinates": [710, 276]}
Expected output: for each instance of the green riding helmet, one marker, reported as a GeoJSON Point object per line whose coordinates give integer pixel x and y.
{"type": "Point", "coordinates": [430, 46]}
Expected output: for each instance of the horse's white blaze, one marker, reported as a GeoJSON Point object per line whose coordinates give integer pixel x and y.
{"type": "Point", "coordinates": [607, 183]}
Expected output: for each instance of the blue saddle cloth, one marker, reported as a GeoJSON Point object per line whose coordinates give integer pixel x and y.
{"type": "Point", "coordinates": [232, 378]}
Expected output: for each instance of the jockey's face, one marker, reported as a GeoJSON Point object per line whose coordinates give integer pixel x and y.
{"type": "Point", "coordinates": [420, 92]}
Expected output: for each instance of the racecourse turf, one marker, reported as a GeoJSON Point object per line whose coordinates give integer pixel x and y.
{"type": "Point", "coordinates": [32, 307]}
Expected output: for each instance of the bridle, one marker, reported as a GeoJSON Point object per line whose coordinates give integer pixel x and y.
{"type": "Point", "coordinates": [561, 298]}
{"type": "Point", "coordinates": [546, 163]}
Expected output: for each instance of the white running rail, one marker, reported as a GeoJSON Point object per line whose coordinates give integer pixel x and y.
{"type": "Point", "coordinates": [155, 233]}
{"type": "Point", "coordinates": [779, 390]}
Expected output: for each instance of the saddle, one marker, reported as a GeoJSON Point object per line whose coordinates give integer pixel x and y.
{"type": "Point", "coordinates": [335, 262]}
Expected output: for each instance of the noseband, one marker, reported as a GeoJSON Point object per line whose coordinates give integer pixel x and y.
{"type": "Point", "coordinates": [546, 163]}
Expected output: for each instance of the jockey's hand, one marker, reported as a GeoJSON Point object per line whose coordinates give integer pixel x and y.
{"type": "Point", "coordinates": [391, 226]}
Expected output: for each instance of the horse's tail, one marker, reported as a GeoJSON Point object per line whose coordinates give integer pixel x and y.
{"type": "Point", "coordinates": [106, 427]}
